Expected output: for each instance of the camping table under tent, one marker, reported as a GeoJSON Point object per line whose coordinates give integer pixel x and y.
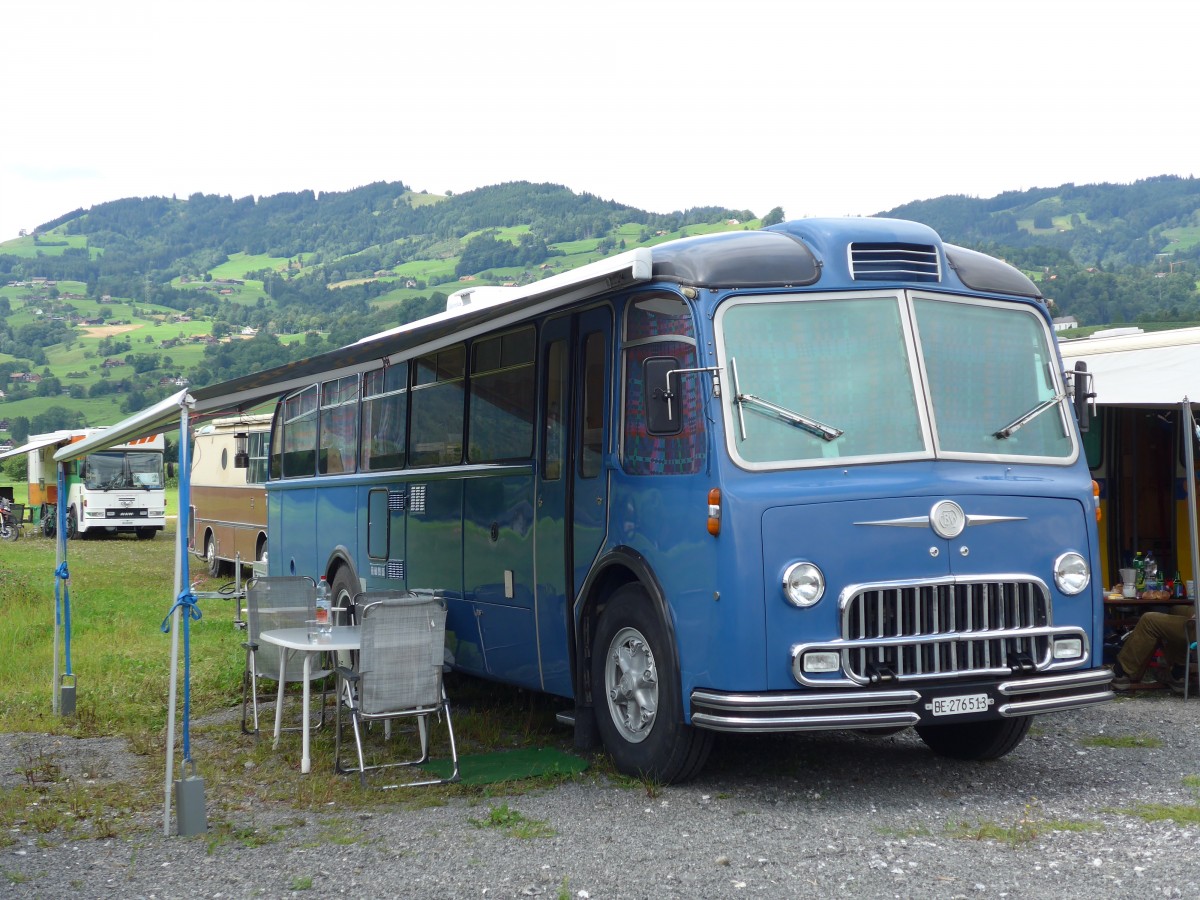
{"type": "Point", "coordinates": [1150, 369]}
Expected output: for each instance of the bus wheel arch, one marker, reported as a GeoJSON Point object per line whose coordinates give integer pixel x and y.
{"type": "Point", "coordinates": [629, 661]}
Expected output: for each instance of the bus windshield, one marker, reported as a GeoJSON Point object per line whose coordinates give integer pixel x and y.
{"type": "Point", "coordinates": [123, 471]}
{"type": "Point", "coordinates": [842, 363]}
{"type": "Point", "coordinates": [838, 378]}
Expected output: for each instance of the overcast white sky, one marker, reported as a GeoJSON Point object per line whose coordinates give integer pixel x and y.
{"type": "Point", "coordinates": [823, 109]}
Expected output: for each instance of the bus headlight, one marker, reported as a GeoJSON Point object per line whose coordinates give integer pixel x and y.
{"type": "Point", "coordinates": [1071, 573]}
{"type": "Point", "coordinates": [803, 584]}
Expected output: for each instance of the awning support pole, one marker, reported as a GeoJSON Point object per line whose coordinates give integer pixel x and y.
{"type": "Point", "coordinates": [192, 820]}
{"type": "Point", "coordinates": [1188, 419]}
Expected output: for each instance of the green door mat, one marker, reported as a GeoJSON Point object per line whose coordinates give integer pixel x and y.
{"type": "Point", "coordinates": [509, 765]}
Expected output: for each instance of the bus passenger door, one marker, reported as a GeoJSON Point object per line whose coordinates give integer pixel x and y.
{"type": "Point", "coordinates": [572, 495]}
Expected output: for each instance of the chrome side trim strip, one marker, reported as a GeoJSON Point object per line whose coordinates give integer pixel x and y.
{"type": "Point", "coordinates": [1094, 678]}
{"type": "Point", "coordinates": [795, 702]}
{"type": "Point", "coordinates": [1052, 704]}
{"type": "Point", "coordinates": [806, 723]}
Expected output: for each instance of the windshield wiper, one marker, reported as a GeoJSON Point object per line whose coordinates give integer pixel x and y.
{"type": "Point", "coordinates": [812, 426]}
{"type": "Point", "coordinates": [1027, 417]}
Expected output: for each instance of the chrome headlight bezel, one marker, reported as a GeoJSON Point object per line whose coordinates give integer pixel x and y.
{"type": "Point", "coordinates": [1072, 573]}
{"type": "Point", "coordinates": [803, 584]}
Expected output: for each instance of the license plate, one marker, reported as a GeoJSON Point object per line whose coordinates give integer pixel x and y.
{"type": "Point", "coordinates": [957, 706]}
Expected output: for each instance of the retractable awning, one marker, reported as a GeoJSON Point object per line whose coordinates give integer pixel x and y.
{"type": "Point", "coordinates": [44, 440]}
{"type": "Point", "coordinates": [493, 308]}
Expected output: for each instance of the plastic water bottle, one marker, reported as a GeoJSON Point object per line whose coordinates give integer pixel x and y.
{"type": "Point", "coordinates": [324, 618]}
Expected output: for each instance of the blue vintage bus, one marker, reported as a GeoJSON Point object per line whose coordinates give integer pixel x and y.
{"type": "Point", "coordinates": [825, 475]}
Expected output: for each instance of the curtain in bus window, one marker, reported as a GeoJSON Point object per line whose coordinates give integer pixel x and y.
{"type": "Point", "coordinates": [503, 395]}
{"type": "Point", "coordinates": [987, 366]}
{"type": "Point", "coordinates": [437, 408]}
{"type": "Point", "coordinates": [339, 426]}
{"type": "Point", "coordinates": [655, 321]}
{"type": "Point", "coordinates": [843, 362]}
{"type": "Point", "coordinates": [300, 434]}
{"type": "Point", "coordinates": [384, 415]}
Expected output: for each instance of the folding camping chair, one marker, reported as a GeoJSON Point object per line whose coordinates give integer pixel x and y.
{"type": "Point", "coordinates": [271, 603]}
{"type": "Point", "coordinates": [398, 674]}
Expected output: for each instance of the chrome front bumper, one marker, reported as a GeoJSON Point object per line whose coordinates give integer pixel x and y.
{"type": "Point", "coordinates": [893, 707]}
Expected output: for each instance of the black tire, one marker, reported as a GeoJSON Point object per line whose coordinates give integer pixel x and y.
{"type": "Point", "coordinates": [990, 739]}
{"type": "Point", "coordinates": [9, 531]}
{"type": "Point", "coordinates": [636, 694]}
{"type": "Point", "coordinates": [213, 563]}
{"type": "Point", "coordinates": [146, 534]}
{"type": "Point", "coordinates": [72, 526]}
{"type": "Point", "coordinates": [342, 591]}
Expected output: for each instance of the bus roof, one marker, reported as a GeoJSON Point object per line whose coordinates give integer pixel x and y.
{"type": "Point", "coordinates": [803, 252]}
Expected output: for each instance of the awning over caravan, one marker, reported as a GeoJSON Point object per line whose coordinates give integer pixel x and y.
{"type": "Point", "coordinates": [492, 310]}
{"type": "Point", "coordinates": [1156, 368]}
{"type": "Point", "coordinates": [43, 440]}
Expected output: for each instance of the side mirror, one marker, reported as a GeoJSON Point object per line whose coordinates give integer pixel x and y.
{"type": "Point", "coordinates": [1082, 395]}
{"type": "Point", "coordinates": [662, 412]}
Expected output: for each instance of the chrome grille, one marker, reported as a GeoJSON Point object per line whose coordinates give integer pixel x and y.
{"type": "Point", "coordinates": [894, 262]}
{"type": "Point", "coordinates": [945, 629]}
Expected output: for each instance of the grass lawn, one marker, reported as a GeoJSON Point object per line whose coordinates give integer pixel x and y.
{"type": "Point", "coordinates": [121, 589]}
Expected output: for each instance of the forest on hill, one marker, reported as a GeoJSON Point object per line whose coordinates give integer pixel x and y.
{"type": "Point", "coordinates": [112, 307]}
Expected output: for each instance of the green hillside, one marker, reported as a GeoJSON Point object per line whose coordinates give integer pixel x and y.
{"type": "Point", "coordinates": [106, 310]}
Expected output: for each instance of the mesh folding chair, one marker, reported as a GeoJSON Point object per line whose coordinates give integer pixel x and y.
{"type": "Point", "coordinates": [271, 603]}
{"type": "Point", "coordinates": [398, 675]}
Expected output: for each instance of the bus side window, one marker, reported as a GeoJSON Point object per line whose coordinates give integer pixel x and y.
{"type": "Point", "coordinates": [592, 425]}
{"type": "Point", "coordinates": [300, 434]}
{"type": "Point", "coordinates": [437, 401]}
{"type": "Point", "coordinates": [384, 417]}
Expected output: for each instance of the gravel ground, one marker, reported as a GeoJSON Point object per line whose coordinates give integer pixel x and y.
{"type": "Point", "coordinates": [824, 815]}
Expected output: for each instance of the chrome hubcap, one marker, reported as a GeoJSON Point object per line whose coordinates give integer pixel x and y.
{"type": "Point", "coordinates": [631, 685]}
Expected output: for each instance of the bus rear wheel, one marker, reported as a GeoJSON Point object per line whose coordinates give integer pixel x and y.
{"type": "Point", "coordinates": [636, 693]}
{"type": "Point", "coordinates": [210, 556]}
{"type": "Point", "coordinates": [990, 739]}
{"type": "Point", "coordinates": [73, 531]}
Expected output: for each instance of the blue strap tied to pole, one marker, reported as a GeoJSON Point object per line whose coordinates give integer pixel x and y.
{"type": "Point", "coordinates": [62, 608]}
{"type": "Point", "coordinates": [186, 600]}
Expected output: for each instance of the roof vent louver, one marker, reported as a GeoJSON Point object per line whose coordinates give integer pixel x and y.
{"type": "Point", "coordinates": [895, 262]}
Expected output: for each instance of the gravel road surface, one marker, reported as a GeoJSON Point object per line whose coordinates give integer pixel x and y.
{"type": "Point", "coordinates": [1097, 803]}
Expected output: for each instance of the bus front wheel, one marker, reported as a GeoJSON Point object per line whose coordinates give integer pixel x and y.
{"type": "Point", "coordinates": [989, 739]}
{"type": "Point", "coordinates": [636, 694]}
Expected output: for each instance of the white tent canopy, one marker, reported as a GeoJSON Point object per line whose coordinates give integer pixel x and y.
{"type": "Point", "coordinates": [1157, 368]}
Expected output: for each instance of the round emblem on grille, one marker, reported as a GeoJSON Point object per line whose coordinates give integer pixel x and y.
{"type": "Point", "coordinates": [947, 519]}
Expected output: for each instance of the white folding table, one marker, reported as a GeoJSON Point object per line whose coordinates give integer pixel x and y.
{"type": "Point", "coordinates": [342, 638]}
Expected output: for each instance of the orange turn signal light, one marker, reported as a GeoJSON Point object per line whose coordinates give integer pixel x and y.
{"type": "Point", "coordinates": [1096, 497]}
{"type": "Point", "coordinates": [714, 512]}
